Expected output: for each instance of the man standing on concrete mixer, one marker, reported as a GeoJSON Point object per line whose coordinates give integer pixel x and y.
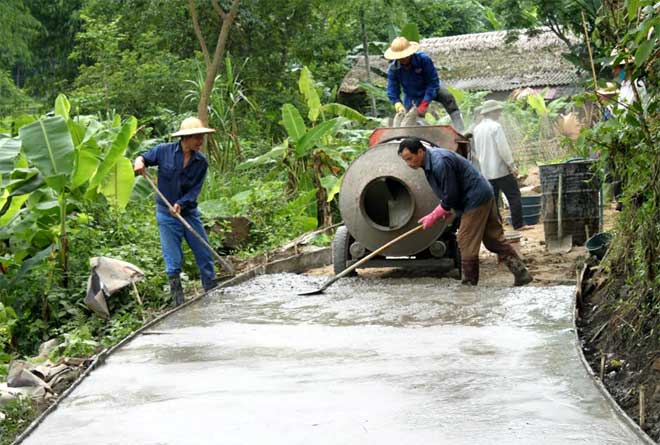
{"type": "Point", "coordinates": [464, 191]}
{"type": "Point", "coordinates": [181, 172]}
{"type": "Point", "coordinates": [414, 72]}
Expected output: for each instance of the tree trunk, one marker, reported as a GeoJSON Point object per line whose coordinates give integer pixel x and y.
{"type": "Point", "coordinates": [365, 47]}
{"type": "Point", "coordinates": [323, 211]}
{"type": "Point", "coordinates": [212, 64]}
{"type": "Point", "coordinates": [64, 243]}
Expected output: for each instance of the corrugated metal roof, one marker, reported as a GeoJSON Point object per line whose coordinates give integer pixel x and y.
{"type": "Point", "coordinates": [486, 61]}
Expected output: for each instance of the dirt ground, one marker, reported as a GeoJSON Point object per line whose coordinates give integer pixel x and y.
{"type": "Point", "coordinates": [547, 269]}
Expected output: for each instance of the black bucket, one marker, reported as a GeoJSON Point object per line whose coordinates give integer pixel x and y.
{"type": "Point", "coordinates": [598, 244]}
{"type": "Point", "coordinates": [580, 201]}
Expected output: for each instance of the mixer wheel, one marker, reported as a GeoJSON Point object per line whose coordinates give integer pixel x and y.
{"type": "Point", "coordinates": [340, 250]}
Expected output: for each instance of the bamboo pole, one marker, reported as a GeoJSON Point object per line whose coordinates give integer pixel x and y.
{"type": "Point", "coordinates": [642, 406]}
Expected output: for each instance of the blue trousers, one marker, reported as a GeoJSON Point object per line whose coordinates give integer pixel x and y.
{"type": "Point", "coordinates": [171, 233]}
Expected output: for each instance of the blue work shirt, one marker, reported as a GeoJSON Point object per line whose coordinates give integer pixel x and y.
{"type": "Point", "coordinates": [419, 81]}
{"type": "Point", "coordinates": [179, 185]}
{"type": "Point", "coordinates": [455, 181]}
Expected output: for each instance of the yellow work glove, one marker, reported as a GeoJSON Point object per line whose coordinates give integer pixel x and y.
{"type": "Point", "coordinates": [399, 107]}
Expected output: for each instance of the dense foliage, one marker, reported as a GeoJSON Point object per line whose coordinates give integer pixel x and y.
{"type": "Point", "coordinates": [282, 146]}
{"type": "Point", "coordinates": [628, 145]}
{"type": "Point", "coordinates": [282, 140]}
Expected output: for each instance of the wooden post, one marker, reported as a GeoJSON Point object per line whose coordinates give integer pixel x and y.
{"type": "Point", "coordinates": [139, 300]}
{"type": "Point", "coordinates": [365, 48]}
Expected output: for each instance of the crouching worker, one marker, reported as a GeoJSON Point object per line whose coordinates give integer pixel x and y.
{"type": "Point", "coordinates": [413, 72]}
{"type": "Point", "coordinates": [181, 172]}
{"type": "Point", "coordinates": [467, 193]}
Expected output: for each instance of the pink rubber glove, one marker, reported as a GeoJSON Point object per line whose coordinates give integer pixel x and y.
{"type": "Point", "coordinates": [437, 214]}
{"type": "Point", "coordinates": [421, 109]}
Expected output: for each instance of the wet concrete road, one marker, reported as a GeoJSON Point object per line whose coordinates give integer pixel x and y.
{"type": "Point", "coordinates": [371, 361]}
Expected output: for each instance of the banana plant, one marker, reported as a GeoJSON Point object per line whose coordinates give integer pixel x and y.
{"type": "Point", "coordinates": [546, 112]}
{"type": "Point", "coordinates": [53, 159]}
{"type": "Point", "coordinates": [314, 156]}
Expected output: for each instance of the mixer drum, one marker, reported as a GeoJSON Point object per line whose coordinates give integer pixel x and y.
{"type": "Point", "coordinates": [381, 198]}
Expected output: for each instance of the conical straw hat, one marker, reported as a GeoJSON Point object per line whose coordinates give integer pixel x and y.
{"type": "Point", "coordinates": [190, 126]}
{"type": "Point", "coordinates": [401, 48]}
{"type": "Point", "coordinates": [490, 105]}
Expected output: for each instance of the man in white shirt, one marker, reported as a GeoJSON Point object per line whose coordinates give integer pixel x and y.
{"type": "Point", "coordinates": [627, 94]}
{"type": "Point", "coordinates": [624, 99]}
{"type": "Point", "coordinates": [492, 151]}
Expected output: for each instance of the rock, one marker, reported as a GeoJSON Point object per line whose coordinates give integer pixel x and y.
{"type": "Point", "coordinates": [47, 371]}
{"type": "Point", "coordinates": [6, 395]}
{"type": "Point", "coordinates": [64, 378]}
{"type": "Point", "coordinates": [234, 231]}
{"type": "Point", "coordinates": [19, 376]}
{"type": "Point", "coordinates": [47, 347]}
{"type": "Point", "coordinates": [76, 361]}
{"type": "Point", "coordinates": [2, 417]}
{"type": "Point", "coordinates": [10, 393]}
{"type": "Point", "coordinates": [656, 364]}
{"type": "Point", "coordinates": [42, 397]}
{"type": "Point", "coordinates": [42, 371]}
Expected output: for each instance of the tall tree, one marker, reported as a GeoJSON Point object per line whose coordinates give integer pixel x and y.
{"type": "Point", "coordinates": [17, 30]}
{"type": "Point", "coordinates": [51, 70]}
{"type": "Point", "coordinates": [212, 62]}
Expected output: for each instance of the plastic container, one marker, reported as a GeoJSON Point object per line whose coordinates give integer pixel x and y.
{"type": "Point", "coordinates": [531, 200]}
{"type": "Point", "coordinates": [598, 244]}
{"type": "Point", "coordinates": [531, 209]}
{"type": "Point", "coordinates": [580, 201]}
{"type": "Point", "coordinates": [530, 219]}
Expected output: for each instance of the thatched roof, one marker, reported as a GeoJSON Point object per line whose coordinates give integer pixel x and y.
{"type": "Point", "coordinates": [485, 61]}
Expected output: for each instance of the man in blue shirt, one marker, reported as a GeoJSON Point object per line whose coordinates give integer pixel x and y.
{"type": "Point", "coordinates": [463, 190]}
{"type": "Point", "coordinates": [415, 73]}
{"type": "Point", "coordinates": [181, 172]}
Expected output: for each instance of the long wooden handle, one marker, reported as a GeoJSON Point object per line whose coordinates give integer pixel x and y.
{"type": "Point", "coordinates": [185, 223]}
{"type": "Point", "coordinates": [560, 201]}
{"type": "Point", "coordinates": [371, 255]}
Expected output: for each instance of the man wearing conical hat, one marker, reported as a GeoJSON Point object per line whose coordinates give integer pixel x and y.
{"type": "Point", "coordinates": [491, 147]}
{"type": "Point", "coordinates": [413, 72]}
{"type": "Point", "coordinates": [181, 171]}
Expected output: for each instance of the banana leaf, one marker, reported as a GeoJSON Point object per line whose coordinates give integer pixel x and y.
{"type": "Point", "coordinates": [9, 149]}
{"type": "Point", "coordinates": [47, 144]}
{"type": "Point", "coordinates": [115, 153]}
{"type": "Point", "coordinates": [308, 90]}
{"type": "Point", "coordinates": [336, 109]}
{"type": "Point", "coordinates": [293, 122]}
{"type": "Point", "coordinates": [118, 184]}
{"type": "Point", "coordinates": [313, 136]}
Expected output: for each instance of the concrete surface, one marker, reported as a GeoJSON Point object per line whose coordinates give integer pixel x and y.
{"type": "Point", "coordinates": [371, 361]}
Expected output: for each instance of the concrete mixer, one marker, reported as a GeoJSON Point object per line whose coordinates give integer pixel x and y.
{"type": "Point", "coordinates": [381, 198]}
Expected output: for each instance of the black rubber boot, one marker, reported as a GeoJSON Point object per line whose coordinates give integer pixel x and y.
{"type": "Point", "coordinates": [457, 121]}
{"type": "Point", "coordinates": [470, 272]}
{"type": "Point", "coordinates": [176, 290]}
{"type": "Point", "coordinates": [519, 270]}
{"type": "Point", "coordinates": [209, 285]}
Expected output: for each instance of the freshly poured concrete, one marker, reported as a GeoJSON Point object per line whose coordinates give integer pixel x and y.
{"type": "Point", "coordinates": [371, 361]}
